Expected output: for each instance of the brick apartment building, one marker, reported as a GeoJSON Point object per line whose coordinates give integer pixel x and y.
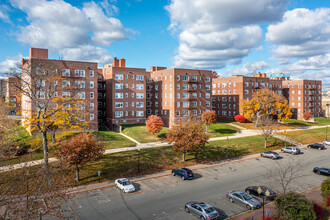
{"type": "Point", "coordinates": [176, 93]}
{"type": "Point", "coordinates": [125, 94]}
{"type": "Point", "coordinates": [304, 95]}
{"type": "Point", "coordinates": [72, 74]}
{"type": "Point", "coordinates": [100, 96]}
{"type": "Point", "coordinates": [3, 87]}
{"type": "Point", "coordinates": [13, 96]}
{"type": "Point", "coordinates": [228, 93]}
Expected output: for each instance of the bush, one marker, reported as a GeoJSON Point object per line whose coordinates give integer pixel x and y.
{"type": "Point", "coordinates": [307, 115]}
{"type": "Point", "coordinates": [294, 206]}
{"type": "Point", "coordinates": [240, 118]}
{"type": "Point", "coordinates": [327, 201]}
{"type": "Point", "coordinates": [318, 210]}
{"type": "Point", "coordinates": [325, 187]}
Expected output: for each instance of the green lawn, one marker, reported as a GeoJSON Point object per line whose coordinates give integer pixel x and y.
{"type": "Point", "coordinates": [20, 136]}
{"type": "Point", "coordinates": [308, 136]}
{"type": "Point", "coordinates": [221, 130]}
{"type": "Point", "coordinates": [291, 123]}
{"type": "Point", "coordinates": [139, 133]}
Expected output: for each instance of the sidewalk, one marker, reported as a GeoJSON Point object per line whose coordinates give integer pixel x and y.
{"type": "Point", "coordinates": [312, 194]}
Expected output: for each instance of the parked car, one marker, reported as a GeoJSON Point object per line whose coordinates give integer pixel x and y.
{"type": "Point", "coordinates": [243, 199]}
{"type": "Point", "coordinates": [270, 154]}
{"type": "Point", "coordinates": [316, 146]}
{"type": "Point", "coordinates": [326, 142]}
{"type": "Point", "coordinates": [253, 190]}
{"type": "Point", "coordinates": [291, 150]}
{"type": "Point", "coordinates": [125, 185]}
{"type": "Point", "coordinates": [184, 173]}
{"type": "Point", "coordinates": [323, 171]}
{"type": "Point", "coordinates": [201, 210]}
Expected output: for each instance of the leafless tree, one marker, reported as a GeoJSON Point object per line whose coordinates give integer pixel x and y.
{"type": "Point", "coordinates": [33, 193]}
{"type": "Point", "coordinates": [267, 126]}
{"type": "Point", "coordinates": [284, 174]}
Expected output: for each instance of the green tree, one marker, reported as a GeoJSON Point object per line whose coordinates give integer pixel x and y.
{"type": "Point", "coordinates": [187, 135]}
{"type": "Point", "coordinates": [325, 187]}
{"type": "Point", "coordinates": [294, 206]}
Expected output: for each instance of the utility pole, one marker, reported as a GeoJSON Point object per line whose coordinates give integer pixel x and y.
{"type": "Point", "coordinates": [227, 150]}
{"type": "Point", "coordinates": [284, 138]}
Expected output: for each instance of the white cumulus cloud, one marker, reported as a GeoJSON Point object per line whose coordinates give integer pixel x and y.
{"type": "Point", "coordinates": [248, 68]}
{"type": "Point", "coordinates": [215, 32]}
{"type": "Point", "coordinates": [9, 63]}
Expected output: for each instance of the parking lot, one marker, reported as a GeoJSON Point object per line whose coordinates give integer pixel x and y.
{"type": "Point", "coordinates": [165, 197]}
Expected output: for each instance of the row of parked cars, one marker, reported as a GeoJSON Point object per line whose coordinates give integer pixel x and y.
{"type": "Point", "coordinates": [246, 198]}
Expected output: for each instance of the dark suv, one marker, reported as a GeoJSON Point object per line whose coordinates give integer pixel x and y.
{"type": "Point", "coordinates": [184, 173]}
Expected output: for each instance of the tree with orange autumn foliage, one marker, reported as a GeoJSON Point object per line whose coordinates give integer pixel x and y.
{"type": "Point", "coordinates": [187, 135]}
{"type": "Point", "coordinates": [265, 102]}
{"type": "Point", "coordinates": [79, 150]}
{"type": "Point", "coordinates": [40, 86]}
{"type": "Point", "coordinates": [307, 115]}
{"type": "Point", "coordinates": [209, 117]}
{"type": "Point", "coordinates": [154, 124]}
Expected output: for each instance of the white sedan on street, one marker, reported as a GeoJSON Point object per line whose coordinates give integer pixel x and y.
{"type": "Point", "coordinates": [125, 185]}
{"type": "Point", "coordinates": [326, 142]}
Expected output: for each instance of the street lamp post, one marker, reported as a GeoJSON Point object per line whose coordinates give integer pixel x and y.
{"type": "Point", "coordinates": [227, 150]}
{"type": "Point", "coordinates": [138, 149]}
{"type": "Point", "coordinates": [267, 193]}
{"type": "Point", "coordinates": [284, 138]}
{"type": "Point", "coordinates": [326, 133]}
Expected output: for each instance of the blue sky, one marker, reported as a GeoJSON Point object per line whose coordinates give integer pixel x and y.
{"type": "Point", "coordinates": [229, 36]}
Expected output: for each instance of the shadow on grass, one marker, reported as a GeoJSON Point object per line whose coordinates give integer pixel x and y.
{"type": "Point", "coordinates": [225, 131]}
{"type": "Point", "coordinates": [213, 153]}
{"type": "Point", "coordinates": [162, 136]}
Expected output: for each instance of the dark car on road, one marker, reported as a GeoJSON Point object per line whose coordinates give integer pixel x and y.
{"type": "Point", "coordinates": [270, 154]}
{"type": "Point", "coordinates": [253, 190]}
{"type": "Point", "coordinates": [184, 173]}
{"type": "Point", "coordinates": [322, 171]}
{"type": "Point", "coordinates": [201, 210]}
{"type": "Point", "coordinates": [291, 150]}
{"type": "Point", "coordinates": [243, 199]}
{"type": "Point", "coordinates": [316, 146]}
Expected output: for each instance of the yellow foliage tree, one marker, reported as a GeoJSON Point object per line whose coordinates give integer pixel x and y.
{"type": "Point", "coordinates": [265, 102]}
{"type": "Point", "coordinates": [41, 86]}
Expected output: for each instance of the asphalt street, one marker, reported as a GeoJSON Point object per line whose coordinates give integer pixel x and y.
{"type": "Point", "coordinates": [165, 197]}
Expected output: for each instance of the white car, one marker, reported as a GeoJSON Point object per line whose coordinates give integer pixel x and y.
{"type": "Point", "coordinates": [326, 142]}
{"type": "Point", "coordinates": [125, 185]}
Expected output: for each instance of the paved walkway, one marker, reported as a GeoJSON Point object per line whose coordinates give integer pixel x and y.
{"type": "Point", "coordinates": [242, 133]}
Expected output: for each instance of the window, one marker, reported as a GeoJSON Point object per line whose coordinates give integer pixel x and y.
{"type": "Point", "coordinates": [185, 86]}
{"type": "Point", "coordinates": [81, 95]}
{"type": "Point", "coordinates": [119, 77]}
{"type": "Point", "coordinates": [66, 94]}
{"type": "Point", "coordinates": [91, 117]}
{"type": "Point", "coordinates": [91, 106]}
{"type": "Point", "coordinates": [207, 79]}
{"type": "Point", "coordinates": [132, 94]}
{"type": "Point", "coordinates": [40, 95]}
{"type": "Point", "coordinates": [224, 85]}
{"type": "Point", "coordinates": [139, 104]}
{"type": "Point", "coordinates": [65, 83]}
{"type": "Point", "coordinates": [79, 84]}
{"type": "Point", "coordinates": [185, 95]}
{"type": "Point", "coordinates": [177, 113]}
{"type": "Point", "coordinates": [119, 105]}
{"type": "Point", "coordinates": [207, 87]}
{"type": "Point", "coordinates": [185, 78]}
{"type": "Point", "coordinates": [139, 95]}
{"type": "Point", "coordinates": [79, 73]}
{"type": "Point", "coordinates": [119, 95]}
{"type": "Point", "coordinates": [178, 78]}
{"type": "Point", "coordinates": [185, 112]}
{"type": "Point", "coordinates": [132, 86]}
{"type": "Point", "coordinates": [224, 105]}
{"type": "Point", "coordinates": [139, 113]}
{"type": "Point", "coordinates": [132, 76]}
{"type": "Point", "coordinates": [224, 112]}
{"type": "Point", "coordinates": [156, 87]}
{"type": "Point", "coordinates": [194, 78]}
{"type": "Point", "coordinates": [139, 77]}
{"type": "Point", "coordinates": [185, 104]}
{"type": "Point", "coordinates": [66, 72]}
{"type": "Point", "coordinates": [207, 104]}
{"type": "Point", "coordinates": [91, 84]}
{"type": "Point", "coordinates": [139, 86]}
{"type": "Point", "coordinates": [246, 84]}
{"type": "Point", "coordinates": [91, 95]}
{"type": "Point", "coordinates": [119, 86]}
{"type": "Point", "coordinates": [246, 91]}
{"type": "Point", "coordinates": [119, 114]}
{"type": "Point", "coordinates": [207, 95]}
{"type": "Point", "coordinates": [91, 73]}
{"type": "Point", "coordinates": [55, 94]}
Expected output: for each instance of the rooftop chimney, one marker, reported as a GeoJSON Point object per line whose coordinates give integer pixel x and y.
{"type": "Point", "coordinates": [38, 53]}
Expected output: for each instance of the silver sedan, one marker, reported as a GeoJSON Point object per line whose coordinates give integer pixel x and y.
{"type": "Point", "coordinates": [201, 210]}
{"type": "Point", "coordinates": [243, 199]}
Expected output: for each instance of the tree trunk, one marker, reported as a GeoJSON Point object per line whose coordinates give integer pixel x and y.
{"type": "Point", "coordinates": [153, 134]}
{"type": "Point", "coordinates": [45, 148]}
{"type": "Point", "coordinates": [265, 142]}
{"type": "Point", "coordinates": [77, 173]}
{"type": "Point", "coordinates": [206, 129]}
{"type": "Point", "coordinates": [184, 157]}
{"type": "Point", "coordinates": [53, 136]}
